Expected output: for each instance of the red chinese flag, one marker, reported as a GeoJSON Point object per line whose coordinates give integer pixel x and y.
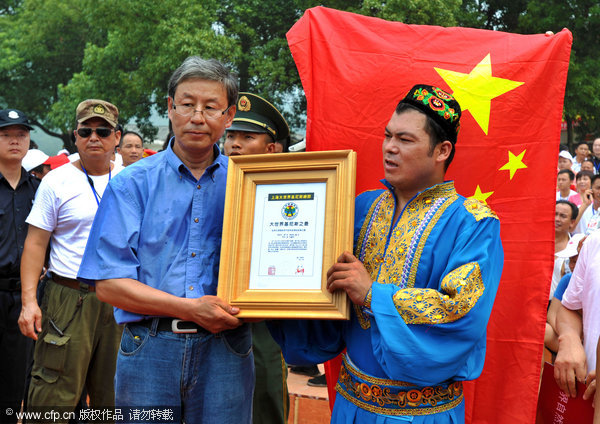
{"type": "Point", "coordinates": [355, 69]}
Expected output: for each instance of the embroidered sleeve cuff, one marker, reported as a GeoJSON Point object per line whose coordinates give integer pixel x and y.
{"type": "Point", "coordinates": [367, 302]}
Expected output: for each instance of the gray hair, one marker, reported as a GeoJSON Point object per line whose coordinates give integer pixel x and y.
{"type": "Point", "coordinates": [194, 67]}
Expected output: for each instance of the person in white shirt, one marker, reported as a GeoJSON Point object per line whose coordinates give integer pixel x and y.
{"type": "Point", "coordinates": [564, 180]}
{"type": "Point", "coordinates": [580, 317]}
{"type": "Point", "coordinates": [77, 336]}
{"type": "Point", "coordinates": [582, 151]}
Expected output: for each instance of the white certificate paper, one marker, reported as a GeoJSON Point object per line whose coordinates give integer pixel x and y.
{"type": "Point", "coordinates": [287, 237]}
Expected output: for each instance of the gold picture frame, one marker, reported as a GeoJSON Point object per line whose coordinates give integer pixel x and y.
{"type": "Point", "coordinates": [327, 179]}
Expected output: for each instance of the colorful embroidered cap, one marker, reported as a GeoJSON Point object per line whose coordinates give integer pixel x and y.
{"type": "Point", "coordinates": [255, 114]}
{"type": "Point", "coordinates": [92, 108]}
{"type": "Point", "coordinates": [438, 105]}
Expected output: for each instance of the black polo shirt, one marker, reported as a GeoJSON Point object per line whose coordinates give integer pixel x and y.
{"type": "Point", "coordinates": [15, 205]}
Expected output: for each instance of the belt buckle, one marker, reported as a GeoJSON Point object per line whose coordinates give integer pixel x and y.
{"type": "Point", "coordinates": [175, 328]}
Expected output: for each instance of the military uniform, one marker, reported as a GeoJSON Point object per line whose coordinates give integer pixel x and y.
{"type": "Point", "coordinates": [256, 115]}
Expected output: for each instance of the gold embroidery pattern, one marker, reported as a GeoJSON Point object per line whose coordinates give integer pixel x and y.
{"type": "Point", "coordinates": [368, 297]}
{"type": "Point", "coordinates": [479, 209]}
{"type": "Point", "coordinates": [392, 397]}
{"type": "Point", "coordinates": [460, 291]}
{"type": "Point", "coordinates": [398, 265]}
{"type": "Point", "coordinates": [382, 208]}
{"type": "Point", "coordinates": [410, 282]}
{"type": "Point", "coordinates": [363, 320]}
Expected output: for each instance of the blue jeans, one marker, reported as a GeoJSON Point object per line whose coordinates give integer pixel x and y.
{"type": "Point", "coordinates": [207, 378]}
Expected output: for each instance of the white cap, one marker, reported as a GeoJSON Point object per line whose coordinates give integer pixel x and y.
{"type": "Point", "coordinates": [565, 154]}
{"type": "Point", "coordinates": [73, 157]}
{"type": "Point", "coordinates": [298, 147]}
{"type": "Point", "coordinates": [33, 159]}
{"type": "Point", "coordinates": [571, 249]}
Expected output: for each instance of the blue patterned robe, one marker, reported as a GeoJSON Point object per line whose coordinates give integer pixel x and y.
{"type": "Point", "coordinates": [422, 330]}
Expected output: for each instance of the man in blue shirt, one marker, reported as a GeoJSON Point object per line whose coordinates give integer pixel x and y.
{"type": "Point", "coordinates": [154, 254]}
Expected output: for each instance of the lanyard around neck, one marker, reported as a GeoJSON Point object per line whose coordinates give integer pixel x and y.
{"type": "Point", "coordinates": [91, 183]}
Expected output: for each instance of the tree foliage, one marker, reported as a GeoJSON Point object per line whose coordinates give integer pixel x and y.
{"type": "Point", "coordinates": [54, 53]}
{"type": "Point", "coordinates": [38, 54]}
{"type": "Point", "coordinates": [145, 41]}
{"type": "Point", "coordinates": [582, 18]}
{"type": "Point", "coordinates": [421, 12]}
{"type": "Point", "coordinates": [499, 15]}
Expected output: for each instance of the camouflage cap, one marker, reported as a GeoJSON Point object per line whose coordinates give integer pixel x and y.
{"type": "Point", "coordinates": [93, 108]}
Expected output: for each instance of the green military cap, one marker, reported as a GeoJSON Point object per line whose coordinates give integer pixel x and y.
{"type": "Point", "coordinates": [255, 114]}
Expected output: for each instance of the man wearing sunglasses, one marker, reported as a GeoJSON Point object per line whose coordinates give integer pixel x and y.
{"type": "Point", "coordinates": [153, 253]}
{"type": "Point", "coordinates": [77, 336]}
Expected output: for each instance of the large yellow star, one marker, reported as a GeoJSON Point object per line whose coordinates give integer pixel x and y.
{"type": "Point", "coordinates": [474, 91]}
{"type": "Point", "coordinates": [514, 163]}
{"type": "Point", "coordinates": [482, 197]}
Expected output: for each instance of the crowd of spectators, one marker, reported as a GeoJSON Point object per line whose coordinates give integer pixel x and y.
{"type": "Point", "coordinates": [573, 319]}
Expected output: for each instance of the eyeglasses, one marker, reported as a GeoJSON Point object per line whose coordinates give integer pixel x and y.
{"type": "Point", "coordinates": [102, 132]}
{"type": "Point", "coordinates": [190, 110]}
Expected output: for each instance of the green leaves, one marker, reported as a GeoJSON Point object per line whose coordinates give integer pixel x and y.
{"type": "Point", "coordinates": [55, 53]}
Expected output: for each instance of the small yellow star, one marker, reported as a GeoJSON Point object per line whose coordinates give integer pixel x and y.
{"type": "Point", "coordinates": [514, 163]}
{"type": "Point", "coordinates": [482, 197]}
{"type": "Point", "coordinates": [474, 91]}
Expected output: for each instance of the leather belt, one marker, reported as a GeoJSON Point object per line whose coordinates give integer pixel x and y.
{"type": "Point", "coordinates": [173, 325]}
{"type": "Point", "coordinates": [73, 284]}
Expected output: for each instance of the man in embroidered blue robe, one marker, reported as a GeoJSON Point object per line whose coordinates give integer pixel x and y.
{"type": "Point", "coordinates": [422, 279]}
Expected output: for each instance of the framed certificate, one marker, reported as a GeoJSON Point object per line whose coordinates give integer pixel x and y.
{"type": "Point", "coordinates": [287, 218]}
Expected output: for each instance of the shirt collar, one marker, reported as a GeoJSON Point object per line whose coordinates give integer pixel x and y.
{"type": "Point", "coordinates": [219, 161]}
{"type": "Point", "coordinates": [437, 190]}
{"type": "Point", "coordinates": [24, 177]}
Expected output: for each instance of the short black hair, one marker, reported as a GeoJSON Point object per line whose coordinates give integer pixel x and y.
{"type": "Point", "coordinates": [588, 160]}
{"type": "Point", "coordinates": [584, 173]}
{"type": "Point", "coordinates": [574, 208]}
{"type": "Point", "coordinates": [39, 168]}
{"type": "Point", "coordinates": [129, 132]}
{"type": "Point", "coordinates": [569, 172]}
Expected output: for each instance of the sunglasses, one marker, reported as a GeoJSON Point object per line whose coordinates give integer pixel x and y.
{"type": "Point", "coordinates": [101, 131]}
